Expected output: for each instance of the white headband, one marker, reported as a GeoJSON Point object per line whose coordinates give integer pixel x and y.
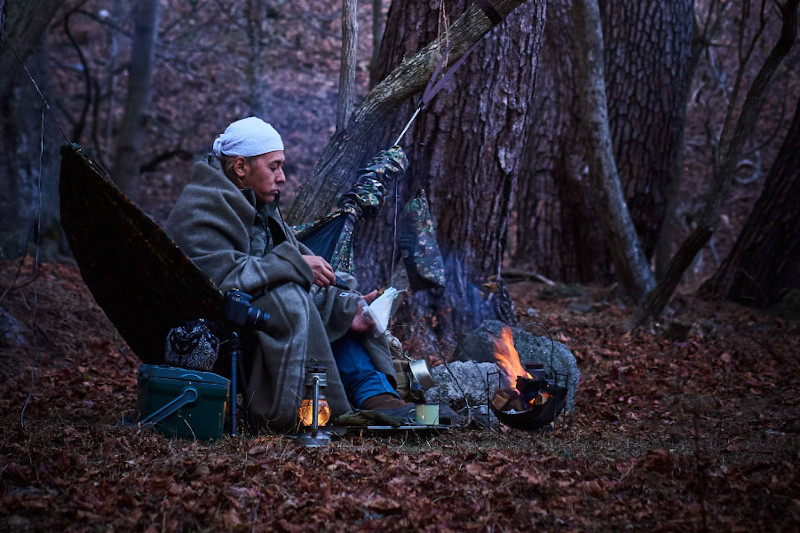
{"type": "Point", "coordinates": [248, 137]}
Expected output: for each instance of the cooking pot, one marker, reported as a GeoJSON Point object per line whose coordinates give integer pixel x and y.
{"type": "Point", "coordinates": [422, 373]}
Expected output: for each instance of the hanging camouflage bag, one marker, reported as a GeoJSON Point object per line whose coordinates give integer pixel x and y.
{"type": "Point", "coordinates": [418, 245]}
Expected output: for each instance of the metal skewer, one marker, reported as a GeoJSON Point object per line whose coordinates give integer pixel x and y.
{"type": "Point", "coordinates": [420, 107]}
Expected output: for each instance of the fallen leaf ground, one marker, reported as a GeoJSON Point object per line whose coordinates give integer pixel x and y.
{"type": "Point", "coordinates": [683, 428]}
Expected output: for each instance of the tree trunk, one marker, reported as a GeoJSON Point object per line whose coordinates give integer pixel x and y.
{"type": "Point", "coordinates": [671, 223]}
{"type": "Point", "coordinates": [633, 270]}
{"type": "Point", "coordinates": [556, 230]}
{"type": "Point", "coordinates": [130, 138]}
{"type": "Point", "coordinates": [112, 39]}
{"type": "Point", "coordinates": [23, 30]}
{"type": "Point", "coordinates": [347, 70]}
{"type": "Point", "coordinates": [30, 154]}
{"type": "Point", "coordinates": [464, 152]}
{"type": "Point", "coordinates": [647, 54]}
{"type": "Point", "coordinates": [25, 23]}
{"type": "Point", "coordinates": [258, 28]}
{"type": "Point", "coordinates": [377, 33]}
{"type": "Point", "coordinates": [646, 51]}
{"type": "Point", "coordinates": [732, 140]}
{"type": "Point", "coordinates": [349, 148]}
{"type": "Point", "coordinates": [764, 263]}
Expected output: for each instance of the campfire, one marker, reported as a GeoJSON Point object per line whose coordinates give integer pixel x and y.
{"type": "Point", "coordinates": [525, 399]}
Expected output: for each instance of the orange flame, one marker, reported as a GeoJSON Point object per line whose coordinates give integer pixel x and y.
{"type": "Point", "coordinates": [507, 357]}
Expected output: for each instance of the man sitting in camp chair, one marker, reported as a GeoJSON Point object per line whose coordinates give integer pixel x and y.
{"type": "Point", "coordinates": [227, 221]}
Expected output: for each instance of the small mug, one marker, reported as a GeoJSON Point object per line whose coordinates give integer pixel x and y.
{"type": "Point", "coordinates": [426, 414]}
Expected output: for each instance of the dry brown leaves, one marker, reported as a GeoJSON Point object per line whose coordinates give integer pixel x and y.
{"type": "Point", "coordinates": [668, 435]}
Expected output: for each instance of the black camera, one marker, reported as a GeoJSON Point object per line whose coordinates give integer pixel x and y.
{"type": "Point", "coordinates": [236, 309]}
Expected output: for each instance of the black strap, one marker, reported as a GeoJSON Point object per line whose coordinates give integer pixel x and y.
{"type": "Point", "coordinates": [434, 85]}
{"type": "Point", "coordinates": [490, 11]}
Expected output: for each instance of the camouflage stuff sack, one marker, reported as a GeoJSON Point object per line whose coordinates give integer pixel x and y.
{"type": "Point", "coordinates": [192, 346]}
{"type": "Point", "coordinates": [418, 245]}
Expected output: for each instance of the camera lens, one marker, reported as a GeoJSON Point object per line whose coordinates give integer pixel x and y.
{"type": "Point", "coordinates": [238, 311]}
{"type": "Point", "coordinates": [256, 318]}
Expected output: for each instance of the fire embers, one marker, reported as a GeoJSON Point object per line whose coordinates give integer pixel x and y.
{"type": "Point", "coordinates": [532, 390]}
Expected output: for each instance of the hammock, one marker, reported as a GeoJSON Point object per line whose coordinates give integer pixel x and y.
{"type": "Point", "coordinates": [331, 238]}
{"type": "Point", "coordinates": [136, 273]}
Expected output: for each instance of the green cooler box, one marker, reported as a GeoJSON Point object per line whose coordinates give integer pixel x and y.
{"type": "Point", "coordinates": [180, 402]}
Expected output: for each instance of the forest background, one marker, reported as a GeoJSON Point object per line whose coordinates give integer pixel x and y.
{"type": "Point", "coordinates": [519, 184]}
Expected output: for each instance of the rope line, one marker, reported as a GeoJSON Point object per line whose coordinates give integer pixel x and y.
{"type": "Point", "coordinates": [36, 276]}
{"type": "Point", "coordinates": [394, 228]}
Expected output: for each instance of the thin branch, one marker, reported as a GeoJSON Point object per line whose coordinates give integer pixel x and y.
{"type": "Point", "coordinates": [152, 164]}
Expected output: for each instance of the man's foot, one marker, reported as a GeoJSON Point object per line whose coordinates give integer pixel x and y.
{"type": "Point", "coordinates": [385, 401]}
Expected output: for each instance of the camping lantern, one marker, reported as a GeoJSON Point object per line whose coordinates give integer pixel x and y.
{"type": "Point", "coordinates": [314, 411]}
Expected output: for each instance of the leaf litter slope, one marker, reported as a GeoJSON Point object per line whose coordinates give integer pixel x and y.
{"type": "Point", "coordinates": [694, 432]}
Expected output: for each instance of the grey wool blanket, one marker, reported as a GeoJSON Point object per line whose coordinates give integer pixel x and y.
{"type": "Point", "coordinates": [212, 223]}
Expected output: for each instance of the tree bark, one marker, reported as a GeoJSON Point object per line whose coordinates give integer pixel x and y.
{"type": "Point", "coordinates": [764, 263]}
{"type": "Point", "coordinates": [347, 70]}
{"type": "Point", "coordinates": [732, 141]}
{"type": "Point", "coordinates": [648, 54]}
{"type": "Point", "coordinates": [646, 51]}
{"type": "Point", "coordinates": [28, 138]}
{"type": "Point", "coordinates": [258, 28]}
{"type": "Point", "coordinates": [112, 40]}
{"type": "Point", "coordinates": [130, 138]}
{"type": "Point", "coordinates": [556, 233]}
{"type": "Point", "coordinates": [353, 146]}
{"type": "Point", "coordinates": [633, 271]}
{"type": "Point", "coordinates": [701, 39]}
{"type": "Point", "coordinates": [464, 152]}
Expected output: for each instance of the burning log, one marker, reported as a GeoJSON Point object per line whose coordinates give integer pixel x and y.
{"type": "Point", "coordinates": [507, 358]}
{"type": "Point", "coordinates": [507, 400]}
{"type": "Point", "coordinates": [528, 382]}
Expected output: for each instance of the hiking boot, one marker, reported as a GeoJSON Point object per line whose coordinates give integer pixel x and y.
{"type": "Point", "coordinates": [383, 402]}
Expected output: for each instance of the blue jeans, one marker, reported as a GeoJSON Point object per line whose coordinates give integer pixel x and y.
{"type": "Point", "coordinates": [359, 377]}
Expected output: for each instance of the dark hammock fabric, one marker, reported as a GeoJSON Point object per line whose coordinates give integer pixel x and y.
{"type": "Point", "coordinates": [136, 273]}
{"type": "Point", "coordinates": [331, 238]}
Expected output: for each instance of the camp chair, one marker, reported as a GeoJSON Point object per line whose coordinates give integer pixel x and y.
{"type": "Point", "coordinates": [141, 279]}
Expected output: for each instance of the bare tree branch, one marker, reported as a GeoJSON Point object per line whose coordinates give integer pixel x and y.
{"type": "Point", "coordinates": [347, 70]}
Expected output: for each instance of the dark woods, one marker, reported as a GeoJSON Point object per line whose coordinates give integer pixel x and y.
{"type": "Point", "coordinates": [654, 184]}
{"type": "Point", "coordinates": [677, 158]}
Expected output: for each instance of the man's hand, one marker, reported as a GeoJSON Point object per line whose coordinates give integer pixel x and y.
{"type": "Point", "coordinates": [361, 322]}
{"type": "Point", "coordinates": [323, 272]}
{"type": "Point", "coordinates": [369, 298]}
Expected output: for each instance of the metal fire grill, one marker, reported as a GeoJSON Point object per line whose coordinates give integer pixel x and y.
{"type": "Point", "coordinates": [539, 415]}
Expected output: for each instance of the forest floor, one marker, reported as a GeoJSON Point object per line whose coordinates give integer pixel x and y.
{"type": "Point", "coordinates": [693, 426]}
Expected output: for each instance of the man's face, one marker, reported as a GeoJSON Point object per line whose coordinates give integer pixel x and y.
{"type": "Point", "coordinates": [264, 174]}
